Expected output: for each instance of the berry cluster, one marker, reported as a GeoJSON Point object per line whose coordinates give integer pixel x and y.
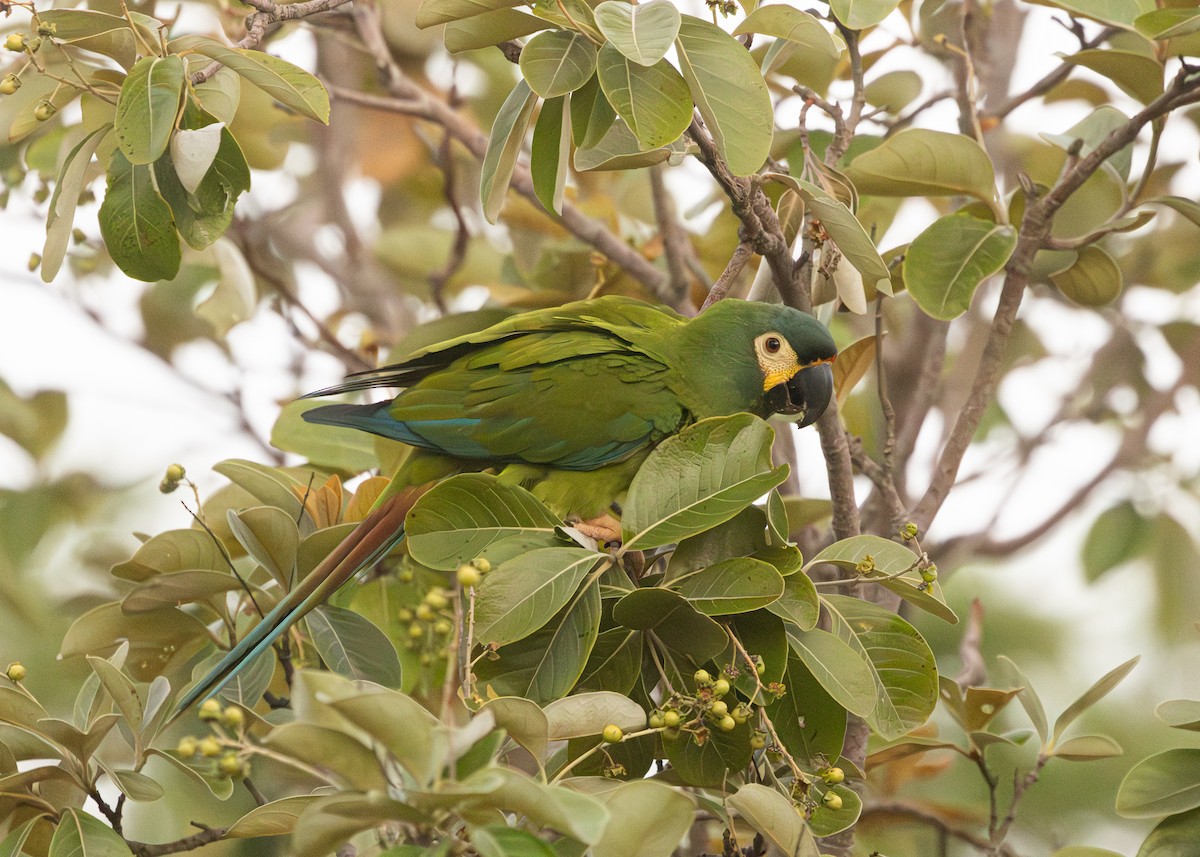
{"type": "Point", "coordinates": [221, 746]}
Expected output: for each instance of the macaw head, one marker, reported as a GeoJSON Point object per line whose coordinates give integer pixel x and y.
{"type": "Point", "coordinates": [789, 360]}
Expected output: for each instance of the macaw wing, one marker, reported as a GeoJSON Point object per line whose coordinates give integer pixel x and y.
{"type": "Point", "coordinates": [536, 400]}
{"type": "Point", "coordinates": [617, 323]}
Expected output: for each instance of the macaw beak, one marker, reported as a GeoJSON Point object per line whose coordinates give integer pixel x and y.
{"type": "Point", "coordinates": [807, 393]}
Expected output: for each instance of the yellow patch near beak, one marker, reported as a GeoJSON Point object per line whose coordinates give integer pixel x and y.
{"type": "Point", "coordinates": [780, 375]}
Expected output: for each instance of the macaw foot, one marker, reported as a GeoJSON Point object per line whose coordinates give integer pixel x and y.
{"type": "Point", "coordinates": [604, 529]}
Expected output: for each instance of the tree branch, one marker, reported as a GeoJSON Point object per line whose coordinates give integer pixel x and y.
{"type": "Point", "coordinates": [187, 843]}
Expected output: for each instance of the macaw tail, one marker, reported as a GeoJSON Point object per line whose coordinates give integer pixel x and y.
{"type": "Point", "coordinates": [369, 542]}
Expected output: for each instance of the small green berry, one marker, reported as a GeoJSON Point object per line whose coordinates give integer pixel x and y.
{"type": "Point", "coordinates": [671, 718]}
{"type": "Point", "coordinates": [35, 259]}
{"type": "Point", "coordinates": [187, 747]}
{"type": "Point", "coordinates": [16, 671]}
{"type": "Point", "coordinates": [437, 599]}
{"type": "Point", "coordinates": [482, 564]}
{"type": "Point", "coordinates": [758, 740]}
{"type": "Point", "coordinates": [15, 42]}
{"type": "Point", "coordinates": [929, 573]}
{"type": "Point", "coordinates": [47, 29]}
{"type": "Point", "coordinates": [404, 614]}
{"type": "Point", "coordinates": [210, 710]}
{"type": "Point", "coordinates": [672, 733]}
{"type": "Point", "coordinates": [612, 733]}
{"type": "Point", "coordinates": [405, 576]}
{"type": "Point", "coordinates": [657, 721]}
{"type": "Point", "coordinates": [726, 724]}
{"type": "Point", "coordinates": [759, 664]}
{"type": "Point", "coordinates": [720, 688]}
{"type": "Point", "coordinates": [416, 630]}
{"type": "Point", "coordinates": [233, 717]}
{"type": "Point", "coordinates": [702, 678]}
{"type": "Point", "coordinates": [865, 565]}
{"type": "Point", "coordinates": [443, 627]}
{"type": "Point", "coordinates": [425, 613]}
{"type": "Point", "coordinates": [79, 236]}
{"type": "Point", "coordinates": [718, 709]}
{"type": "Point", "coordinates": [909, 531]}
{"type": "Point", "coordinates": [209, 747]}
{"type": "Point", "coordinates": [468, 576]}
{"type": "Point", "coordinates": [833, 776]}
{"type": "Point", "coordinates": [230, 765]}
{"type": "Point", "coordinates": [741, 713]}
{"type": "Point", "coordinates": [10, 84]}
{"type": "Point", "coordinates": [832, 800]}
{"type": "Point", "coordinates": [175, 472]}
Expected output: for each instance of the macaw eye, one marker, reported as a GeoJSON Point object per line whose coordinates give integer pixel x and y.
{"type": "Point", "coordinates": [772, 345]}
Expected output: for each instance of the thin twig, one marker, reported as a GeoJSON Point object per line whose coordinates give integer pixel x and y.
{"type": "Point", "coordinates": [741, 255]}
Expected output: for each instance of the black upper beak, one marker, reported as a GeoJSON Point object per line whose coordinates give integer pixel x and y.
{"type": "Point", "coordinates": [807, 393]}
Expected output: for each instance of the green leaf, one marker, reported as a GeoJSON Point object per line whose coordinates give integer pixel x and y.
{"type": "Point", "coordinates": [411, 734]}
{"type": "Point", "coordinates": [202, 218]}
{"type": "Point", "coordinates": [504, 144]}
{"type": "Point", "coordinates": [1093, 280]}
{"type": "Point", "coordinates": [1090, 132]}
{"type": "Point", "coordinates": [947, 262]}
{"type": "Point", "coordinates": [810, 722]}
{"type": "Point", "coordinates": [792, 25]}
{"type": "Point", "coordinates": [119, 687]}
{"type": "Point", "coordinates": [157, 638]}
{"type": "Point", "coordinates": [136, 223]}
{"type": "Point", "coordinates": [269, 486]}
{"type": "Point", "coordinates": [551, 152]}
{"type": "Point", "coordinates": [462, 517]}
{"type": "Point", "coordinates": [894, 90]}
{"type": "Point", "coordinates": [1168, 23]}
{"type": "Point", "coordinates": [1117, 13]}
{"type": "Point", "coordinates": [1162, 784]}
{"type": "Point", "coordinates": [1118, 535]}
{"type": "Point", "coordinates": [81, 835]}
{"type": "Point", "coordinates": [577, 815]}
{"type": "Point", "coordinates": [710, 764]}
{"type": "Point", "coordinates": [331, 820]}
{"type": "Point", "coordinates": [60, 213]}
{"type": "Point", "coordinates": [826, 822]}
{"type": "Point", "coordinates": [888, 559]}
{"type": "Point", "coordinates": [1185, 207]}
{"type": "Point", "coordinates": [698, 479]}
{"type": "Point", "coordinates": [147, 107]}
{"type": "Point", "coordinates": [1027, 696]}
{"type": "Point", "coordinates": [1180, 714]}
{"type": "Point", "coordinates": [270, 536]}
{"type": "Point", "coordinates": [584, 714]}
{"type": "Point", "coordinates": [331, 751]}
{"type": "Point", "coordinates": [1091, 696]}
{"type": "Point", "coordinates": [546, 665]}
{"type": "Point", "coordinates": [736, 585]}
{"type": "Point", "coordinates": [137, 786]}
{"type": "Point", "coordinates": [288, 84]}
{"type": "Point", "coordinates": [110, 35]}
{"type": "Point", "coordinates": [923, 162]}
{"type": "Point", "coordinates": [642, 33]}
{"type": "Point", "coordinates": [276, 818]}
{"type": "Point", "coordinates": [1086, 748]}
{"type": "Point", "coordinates": [649, 820]}
{"type": "Point", "coordinates": [557, 62]}
{"type": "Point", "coordinates": [654, 101]}
{"type": "Point", "coordinates": [433, 12]}
{"type": "Point", "coordinates": [860, 14]}
{"type": "Point", "coordinates": [615, 661]}
{"type": "Point", "coordinates": [618, 149]}
{"type": "Point", "coordinates": [842, 671]}
{"type": "Point", "coordinates": [1175, 836]}
{"type": "Point", "coordinates": [676, 622]}
{"type": "Point", "coordinates": [729, 91]}
{"type": "Point", "coordinates": [742, 535]}
{"type": "Point", "coordinates": [523, 594]}
{"type": "Point", "coordinates": [845, 230]}
{"type": "Point", "coordinates": [798, 604]}
{"type": "Point", "coordinates": [488, 29]}
{"type": "Point", "coordinates": [498, 840]}
{"type": "Point", "coordinates": [900, 661]}
{"type": "Point", "coordinates": [1135, 74]}
{"type": "Point", "coordinates": [15, 840]}
{"type": "Point", "coordinates": [523, 720]}
{"type": "Point", "coordinates": [353, 646]}
{"type": "Point", "coordinates": [774, 816]}
{"type": "Point", "coordinates": [247, 687]}
{"type": "Point", "coordinates": [220, 95]}
{"type": "Point", "coordinates": [180, 587]}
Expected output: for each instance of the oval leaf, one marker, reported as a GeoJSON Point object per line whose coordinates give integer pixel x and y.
{"type": "Point", "coordinates": [557, 62]}
{"type": "Point", "coordinates": [948, 261]}
{"type": "Point", "coordinates": [147, 106]}
{"type": "Point", "coordinates": [923, 162]}
{"type": "Point", "coordinates": [729, 91]}
{"type": "Point", "coordinates": [1162, 784]}
{"type": "Point", "coordinates": [774, 816]}
{"type": "Point", "coordinates": [736, 585]}
{"type": "Point", "coordinates": [353, 646]}
{"type": "Point", "coordinates": [654, 101]}
{"type": "Point", "coordinates": [840, 670]}
{"type": "Point", "coordinates": [642, 32]}
{"type": "Point", "coordinates": [1094, 280]}
{"type": "Point", "coordinates": [699, 478]}
{"type": "Point", "coordinates": [504, 144]}
{"type": "Point", "coordinates": [583, 714]}
{"type": "Point", "coordinates": [860, 14]}
{"type": "Point", "coordinates": [523, 594]}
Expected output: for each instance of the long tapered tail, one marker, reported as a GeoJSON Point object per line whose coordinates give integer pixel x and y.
{"type": "Point", "coordinates": [369, 542]}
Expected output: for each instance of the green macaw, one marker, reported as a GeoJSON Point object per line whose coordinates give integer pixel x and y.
{"type": "Point", "coordinates": [566, 401]}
